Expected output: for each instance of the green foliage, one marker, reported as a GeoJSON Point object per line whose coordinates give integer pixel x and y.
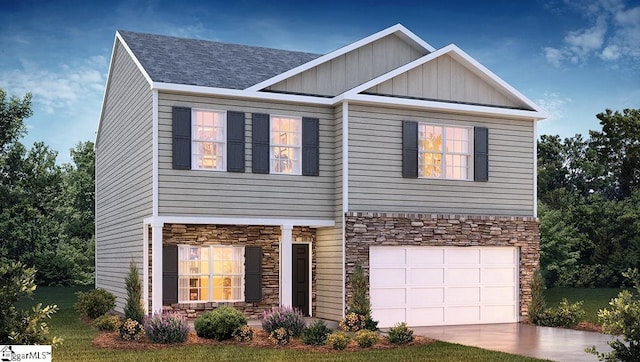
{"type": "Point", "coordinates": [94, 303]}
{"type": "Point", "coordinates": [338, 340]}
{"type": "Point", "coordinates": [219, 323]}
{"type": "Point", "coordinates": [166, 328]}
{"type": "Point", "coordinates": [622, 319]}
{"type": "Point", "coordinates": [131, 330]}
{"type": "Point", "coordinates": [400, 334]}
{"type": "Point", "coordinates": [366, 338]}
{"type": "Point", "coordinates": [537, 304]}
{"type": "Point", "coordinates": [280, 336]}
{"type": "Point", "coordinates": [106, 322]}
{"type": "Point", "coordinates": [13, 112]}
{"type": "Point", "coordinates": [133, 308]}
{"type": "Point", "coordinates": [316, 334]}
{"type": "Point", "coordinates": [19, 326]}
{"type": "Point", "coordinates": [288, 318]}
{"type": "Point", "coordinates": [565, 315]}
{"type": "Point", "coordinates": [243, 334]}
{"type": "Point", "coordinates": [359, 302]}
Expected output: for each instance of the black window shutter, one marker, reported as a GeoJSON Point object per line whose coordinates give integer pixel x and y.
{"type": "Point", "coordinates": [169, 274]}
{"type": "Point", "coordinates": [181, 138]}
{"type": "Point", "coordinates": [252, 274]}
{"type": "Point", "coordinates": [481, 154]}
{"type": "Point", "coordinates": [310, 147]}
{"type": "Point", "coordinates": [260, 143]}
{"type": "Point", "coordinates": [235, 141]}
{"type": "Point", "coordinates": [409, 149]}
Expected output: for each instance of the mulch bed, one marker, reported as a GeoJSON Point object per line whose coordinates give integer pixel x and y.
{"type": "Point", "coordinates": [112, 340]}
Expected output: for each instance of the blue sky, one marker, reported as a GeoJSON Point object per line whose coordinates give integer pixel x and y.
{"type": "Point", "coordinates": [575, 58]}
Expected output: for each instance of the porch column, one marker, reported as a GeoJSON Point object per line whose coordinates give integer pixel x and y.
{"type": "Point", "coordinates": [145, 268]}
{"type": "Point", "coordinates": [286, 266]}
{"type": "Point", "coordinates": [156, 267]}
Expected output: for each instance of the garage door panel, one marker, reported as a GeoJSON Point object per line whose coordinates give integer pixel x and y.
{"type": "Point", "coordinates": [425, 296]}
{"type": "Point", "coordinates": [462, 315]}
{"type": "Point", "coordinates": [462, 295]}
{"type": "Point", "coordinates": [387, 256]}
{"type": "Point", "coordinates": [462, 256]}
{"type": "Point", "coordinates": [500, 295]}
{"type": "Point", "coordinates": [429, 285]}
{"type": "Point", "coordinates": [388, 277]}
{"type": "Point", "coordinates": [389, 297]}
{"type": "Point", "coordinates": [425, 276]}
{"type": "Point", "coordinates": [499, 275]}
{"type": "Point", "coordinates": [387, 317]}
{"type": "Point", "coordinates": [418, 255]}
{"type": "Point", "coordinates": [425, 316]}
{"type": "Point", "coordinates": [457, 275]}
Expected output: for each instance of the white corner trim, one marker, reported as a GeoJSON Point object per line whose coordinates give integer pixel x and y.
{"type": "Point", "coordinates": [535, 169]}
{"type": "Point", "coordinates": [201, 220]}
{"type": "Point", "coordinates": [155, 154]}
{"type": "Point", "coordinates": [145, 268]}
{"type": "Point", "coordinates": [345, 157]}
{"type": "Point", "coordinates": [398, 29]}
{"type": "Point", "coordinates": [447, 107]}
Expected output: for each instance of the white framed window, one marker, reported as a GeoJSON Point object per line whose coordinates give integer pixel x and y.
{"type": "Point", "coordinates": [208, 138]}
{"type": "Point", "coordinates": [210, 273]}
{"type": "Point", "coordinates": [285, 152]}
{"type": "Point", "coordinates": [444, 151]}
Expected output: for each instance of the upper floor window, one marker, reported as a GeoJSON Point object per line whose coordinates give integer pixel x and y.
{"type": "Point", "coordinates": [444, 152]}
{"type": "Point", "coordinates": [286, 145]}
{"type": "Point", "coordinates": [208, 139]}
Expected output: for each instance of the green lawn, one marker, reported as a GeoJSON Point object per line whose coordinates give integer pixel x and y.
{"type": "Point", "coordinates": [77, 345]}
{"type": "Point", "coordinates": [594, 299]}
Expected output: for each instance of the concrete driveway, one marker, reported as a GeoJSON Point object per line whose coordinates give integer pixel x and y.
{"type": "Point", "coordinates": [555, 344]}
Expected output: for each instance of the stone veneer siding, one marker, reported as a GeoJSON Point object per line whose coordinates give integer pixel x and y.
{"type": "Point", "coordinates": [268, 237]}
{"type": "Point", "coordinates": [364, 229]}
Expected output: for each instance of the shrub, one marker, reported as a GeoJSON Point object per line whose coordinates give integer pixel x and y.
{"type": "Point", "coordinates": [352, 322]}
{"type": "Point", "coordinates": [565, 315]}
{"type": "Point", "coordinates": [338, 340]}
{"type": "Point", "coordinates": [133, 308]}
{"type": "Point", "coordinates": [316, 334]}
{"type": "Point", "coordinates": [288, 318]}
{"type": "Point", "coordinates": [359, 302]}
{"type": "Point", "coordinates": [166, 328]}
{"type": "Point", "coordinates": [106, 322]}
{"type": "Point", "coordinates": [280, 336]}
{"type": "Point", "coordinates": [131, 330]}
{"type": "Point", "coordinates": [366, 338]}
{"type": "Point", "coordinates": [219, 324]}
{"type": "Point", "coordinates": [400, 334]}
{"type": "Point", "coordinates": [537, 304]}
{"type": "Point", "coordinates": [243, 334]}
{"type": "Point", "coordinates": [94, 303]}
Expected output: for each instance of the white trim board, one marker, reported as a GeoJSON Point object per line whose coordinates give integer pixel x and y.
{"type": "Point", "coordinates": [314, 223]}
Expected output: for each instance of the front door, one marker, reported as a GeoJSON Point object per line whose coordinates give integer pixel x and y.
{"type": "Point", "coordinates": [301, 277]}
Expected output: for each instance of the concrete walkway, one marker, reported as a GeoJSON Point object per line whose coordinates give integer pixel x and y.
{"type": "Point", "coordinates": [555, 344]}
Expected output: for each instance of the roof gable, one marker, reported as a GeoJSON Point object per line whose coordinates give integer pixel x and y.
{"type": "Point", "coordinates": [447, 75]}
{"type": "Point", "coordinates": [206, 63]}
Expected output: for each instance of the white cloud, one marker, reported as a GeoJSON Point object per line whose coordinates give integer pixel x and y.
{"type": "Point", "coordinates": [554, 104]}
{"type": "Point", "coordinates": [613, 34]}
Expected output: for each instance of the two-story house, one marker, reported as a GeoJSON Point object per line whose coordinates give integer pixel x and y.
{"type": "Point", "coordinates": [257, 177]}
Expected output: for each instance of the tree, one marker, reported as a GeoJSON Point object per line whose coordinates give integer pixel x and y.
{"type": "Point", "coordinates": [360, 303]}
{"type": "Point", "coordinates": [133, 308]}
{"type": "Point", "coordinates": [12, 115]}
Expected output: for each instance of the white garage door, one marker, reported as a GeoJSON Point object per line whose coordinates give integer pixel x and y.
{"type": "Point", "coordinates": [426, 286]}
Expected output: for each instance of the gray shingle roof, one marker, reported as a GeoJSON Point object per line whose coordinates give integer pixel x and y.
{"type": "Point", "coordinates": [208, 63]}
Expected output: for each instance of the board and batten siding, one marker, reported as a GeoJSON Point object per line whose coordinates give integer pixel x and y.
{"type": "Point", "coordinates": [329, 241]}
{"type": "Point", "coordinates": [234, 194]}
{"type": "Point", "coordinates": [375, 167]}
{"type": "Point", "coordinates": [444, 78]}
{"type": "Point", "coordinates": [124, 174]}
{"type": "Point", "coordinates": [351, 69]}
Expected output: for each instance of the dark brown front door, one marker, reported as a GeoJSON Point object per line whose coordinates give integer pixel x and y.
{"type": "Point", "coordinates": [301, 277]}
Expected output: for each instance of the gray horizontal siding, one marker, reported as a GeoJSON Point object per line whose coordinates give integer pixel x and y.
{"type": "Point", "coordinates": [351, 69]}
{"type": "Point", "coordinates": [124, 174]}
{"type": "Point", "coordinates": [230, 194]}
{"type": "Point", "coordinates": [444, 78]}
{"type": "Point", "coordinates": [375, 167]}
